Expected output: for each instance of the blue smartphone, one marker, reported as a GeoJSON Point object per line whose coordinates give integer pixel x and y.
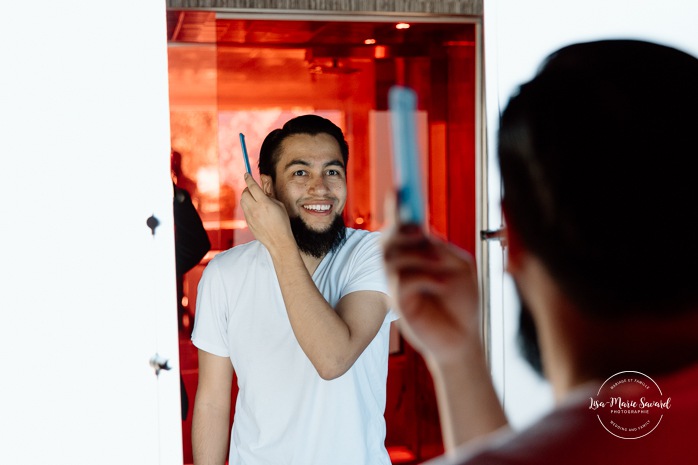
{"type": "Point", "coordinates": [403, 106]}
{"type": "Point", "coordinates": [244, 153]}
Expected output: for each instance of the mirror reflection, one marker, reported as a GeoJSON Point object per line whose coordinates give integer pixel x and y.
{"type": "Point", "coordinates": [229, 76]}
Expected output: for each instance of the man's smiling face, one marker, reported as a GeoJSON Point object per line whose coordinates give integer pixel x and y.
{"type": "Point", "coordinates": [310, 180]}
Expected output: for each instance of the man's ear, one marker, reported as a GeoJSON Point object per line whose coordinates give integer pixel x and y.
{"type": "Point", "coordinates": [267, 185]}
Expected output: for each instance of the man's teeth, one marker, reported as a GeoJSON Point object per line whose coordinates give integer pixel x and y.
{"type": "Point", "coordinates": [317, 208]}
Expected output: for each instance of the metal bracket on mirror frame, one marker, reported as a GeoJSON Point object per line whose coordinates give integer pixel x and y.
{"type": "Point", "coordinates": [159, 363]}
{"type": "Point", "coordinates": [495, 235]}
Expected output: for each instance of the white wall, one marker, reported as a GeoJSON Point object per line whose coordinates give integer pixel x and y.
{"type": "Point", "coordinates": [518, 36]}
{"type": "Point", "coordinates": [87, 293]}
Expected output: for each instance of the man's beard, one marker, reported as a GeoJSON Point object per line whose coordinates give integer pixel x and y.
{"type": "Point", "coordinates": [527, 338]}
{"type": "Point", "coordinates": [318, 244]}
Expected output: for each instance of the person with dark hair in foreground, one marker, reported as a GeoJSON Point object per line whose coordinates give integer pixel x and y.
{"type": "Point", "coordinates": [300, 315]}
{"type": "Point", "coordinates": [598, 157]}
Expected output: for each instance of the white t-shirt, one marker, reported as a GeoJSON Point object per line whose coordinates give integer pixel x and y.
{"type": "Point", "coordinates": [285, 413]}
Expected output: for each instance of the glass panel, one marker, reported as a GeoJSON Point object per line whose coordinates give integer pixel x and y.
{"type": "Point", "coordinates": [231, 76]}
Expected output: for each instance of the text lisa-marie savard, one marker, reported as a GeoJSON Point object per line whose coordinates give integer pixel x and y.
{"type": "Point", "coordinates": [619, 403]}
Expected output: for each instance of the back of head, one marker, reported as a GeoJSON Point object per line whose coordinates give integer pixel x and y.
{"type": "Point", "coordinates": [306, 124]}
{"type": "Point", "coordinates": [598, 158]}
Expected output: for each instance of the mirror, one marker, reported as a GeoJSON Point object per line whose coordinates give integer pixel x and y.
{"type": "Point", "coordinates": [231, 75]}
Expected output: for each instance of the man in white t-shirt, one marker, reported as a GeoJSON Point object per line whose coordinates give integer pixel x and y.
{"type": "Point", "coordinates": [300, 315]}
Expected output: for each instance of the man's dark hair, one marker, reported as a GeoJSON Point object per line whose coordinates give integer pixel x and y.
{"type": "Point", "coordinates": [270, 152]}
{"type": "Point", "coordinates": [599, 162]}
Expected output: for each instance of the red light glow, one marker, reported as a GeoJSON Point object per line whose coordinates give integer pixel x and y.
{"type": "Point", "coordinates": [370, 41]}
{"type": "Point", "coordinates": [401, 454]}
{"type": "Point", "coordinates": [402, 26]}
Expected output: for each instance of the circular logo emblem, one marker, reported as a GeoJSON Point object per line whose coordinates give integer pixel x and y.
{"type": "Point", "coordinates": [630, 405]}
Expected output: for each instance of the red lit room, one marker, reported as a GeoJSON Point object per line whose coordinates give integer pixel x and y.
{"type": "Point", "coordinates": [230, 74]}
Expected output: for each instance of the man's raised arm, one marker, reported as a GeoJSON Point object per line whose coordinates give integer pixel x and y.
{"type": "Point", "coordinates": [332, 338]}
{"type": "Point", "coordinates": [435, 288]}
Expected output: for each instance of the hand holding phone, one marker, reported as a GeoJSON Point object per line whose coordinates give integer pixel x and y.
{"type": "Point", "coordinates": [244, 153]}
{"type": "Point", "coordinates": [403, 104]}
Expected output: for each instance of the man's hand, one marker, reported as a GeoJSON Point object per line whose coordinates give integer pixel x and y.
{"type": "Point", "coordinates": [435, 287]}
{"type": "Point", "coordinates": [266, 217]}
